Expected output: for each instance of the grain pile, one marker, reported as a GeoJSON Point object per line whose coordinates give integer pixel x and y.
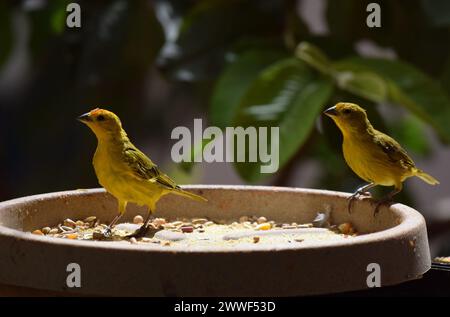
{"type": "Point", "coordinates": [250, 230]}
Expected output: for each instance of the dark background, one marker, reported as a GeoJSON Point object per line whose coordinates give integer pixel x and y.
{"type": "Point", "coordinates": [159, 64]}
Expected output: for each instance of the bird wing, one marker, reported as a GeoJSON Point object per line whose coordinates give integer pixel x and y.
{"type": "Point", "coordinates": [393, 150]}
{"type": "Point", "coordinates": [143, 168]}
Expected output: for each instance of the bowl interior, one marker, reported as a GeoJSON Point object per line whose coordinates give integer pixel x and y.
{"type": "Point", "coordinates": [275, 203]}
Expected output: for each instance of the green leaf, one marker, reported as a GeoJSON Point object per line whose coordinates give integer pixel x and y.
{"type": "Point", "coordinates": [287, 95]}
{"type": "Point", "coordinates": [409, 132]}
{"type": "Point", "coordinates": [234, 82]}
{"type": "Point", "coordinates": [408, 87]}
{"type": "Point", "coordinates": [364, 84]}
{"type": "Point", "coordinates": [314, 57]}
{"type": "Point", "coordinates": [209, 28]}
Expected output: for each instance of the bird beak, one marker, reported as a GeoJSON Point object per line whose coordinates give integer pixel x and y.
{"type": "Point", "coordinates": [85, 118]}
{"type": "Point", "coordinates": [331, 112]}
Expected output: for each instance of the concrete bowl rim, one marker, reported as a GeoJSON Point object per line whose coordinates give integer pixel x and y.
{"type": "Point", "coordinates": [409, 217]}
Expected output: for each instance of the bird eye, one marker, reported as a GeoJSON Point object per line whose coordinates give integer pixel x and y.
{"type": "Point", "coordinates": [101, 118]}
{"type": "Point", "coordinates": [347, 111]}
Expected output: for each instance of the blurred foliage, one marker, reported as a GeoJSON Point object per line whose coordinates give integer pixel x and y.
{"type": "Point", "coordinates": [257, 87]}
{"type": "Point", "coordinates": [245, 62]}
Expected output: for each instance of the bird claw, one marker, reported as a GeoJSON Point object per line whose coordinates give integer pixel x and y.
{"type": "Point", "coordinates": [141, 232]}
{"type": "Point", "coordinates": [354, 196]}
{"type": "Point", "coordinates": [381, 203]}
{"type": "Point", "coordinates": [350, 199]}
{"type": "Point", "coordinates": [107, 233]}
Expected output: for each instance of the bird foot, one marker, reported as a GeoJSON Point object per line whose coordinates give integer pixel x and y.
{"type": "Point", "coordinates": [142, 231]}
{"type": "Point", "coordinates": [381, 202]}
{"type": "Point", "coordinates": [354, 196]}
{"type": "Point", "coordinates": [107, 233]}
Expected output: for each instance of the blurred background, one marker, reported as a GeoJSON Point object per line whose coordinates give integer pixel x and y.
{"type": "Point", "coordinates": [160, 64]}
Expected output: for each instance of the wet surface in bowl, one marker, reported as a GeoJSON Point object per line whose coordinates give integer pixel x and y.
{"type": "Point", "coordinates": [202, 232]}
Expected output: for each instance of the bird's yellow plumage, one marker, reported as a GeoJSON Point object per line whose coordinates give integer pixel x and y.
{"type": "Point", "coordinates": [123, 170]}
{"type": "Point", "coordinates": [371, 154]}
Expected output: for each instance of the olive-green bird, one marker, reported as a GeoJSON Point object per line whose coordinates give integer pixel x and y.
{"type": "Point", "coordinates": [372, 155]}
{"type": "Point", "coordinates": [124, 171]}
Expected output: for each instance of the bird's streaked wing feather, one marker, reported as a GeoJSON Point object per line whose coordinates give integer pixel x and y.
{"type": "Point", "coordinates": [393, 150]}
{"type": "Point", "coordinates": [143, 168]}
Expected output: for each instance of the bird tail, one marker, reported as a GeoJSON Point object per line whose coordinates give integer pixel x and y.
{"type": "Point", "coordinates": [426, 177]}
{"type": "Point", "coordinates": [190, 195]}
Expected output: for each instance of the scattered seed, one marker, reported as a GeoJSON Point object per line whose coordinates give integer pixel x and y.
{"type": "Point", "coordinates": [65, 228]}
{"type": "Point", "coordinates": [138, 219]}
{"type": "Point", "coordinates": [262, 220]}
{"type": "Point", "coordinates": [69, 223]}
{"type": "Point", "coordinates": [159, 222]}
{"type": "Point", "coordinates": [187, 229]}
{"type": "Point", "coordinates": [90, 219]}
{"type": "Point", "coordinates": [443, 259]}
{"type": "Point", "coordinates": [346, 228]}
{"type": "Point", "coordinates": [176, 231]}
{"type": "Point", "coordinates": [263, 226]}
{"type": "Point", "coordinates": [288, 227]}
{"type": "Point", "coordinates": [199, 221]}
{"type": "Point", "coordinates": [321, 220]}
{"type": "Point", "coordinates": [71, 236]}
{"type": "Point", "coordinates": [54, 231]}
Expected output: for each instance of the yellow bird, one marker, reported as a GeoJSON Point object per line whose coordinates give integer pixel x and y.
{"type": "Point", "coordinates": [372, 155]}
{"type": "Point", "coordinates": [124, 171]}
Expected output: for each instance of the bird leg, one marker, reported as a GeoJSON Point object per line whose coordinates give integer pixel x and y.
{"type": "Point", "coordinates": [363, 190]}
{"type": "Point", "coordinates": [108, 230]}
{"type": "Point", "coordinates": [386, 200]}
{"type": "Point", "coordinates": [143, 230]}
